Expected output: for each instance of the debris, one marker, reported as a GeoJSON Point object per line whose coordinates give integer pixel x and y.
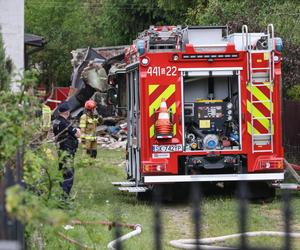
{"type": "Point", "coordinates": [112, 136]}
{"type": "Point", "coordinates": [113, 129]}
{"type": "Point", "coordinates": [68, 227]}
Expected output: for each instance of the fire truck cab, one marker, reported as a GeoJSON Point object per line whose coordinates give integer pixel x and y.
{"type": "Point", "coordinates": [203, 106]}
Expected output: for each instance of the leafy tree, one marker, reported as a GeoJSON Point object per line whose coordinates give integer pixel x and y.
{"type": "Point", "coordinates": [122, 20]}
{"type": "Point", "coordinates": [294, 93]}
{"type": "Point", "coordinates": [79, 24]}
{"type": "Point", "coordinates": [76, 24]}
{"type": "Point", "coordinates": [5, 67]}
{"type": "Point", "coordinates": [257, 14]}
{"type": "Point", "coordinates": [66, 26]}
{"type": "Point", "coordinates": [20, 128]}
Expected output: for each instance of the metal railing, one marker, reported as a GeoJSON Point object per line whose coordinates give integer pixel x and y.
{"type": "Point", "coordinates": [13, 231]}
{"type": "Point", "coordinates": [198, 242]}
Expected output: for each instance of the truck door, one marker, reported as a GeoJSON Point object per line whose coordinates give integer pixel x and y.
{"type": "Point", "coordinates": [133, 123]}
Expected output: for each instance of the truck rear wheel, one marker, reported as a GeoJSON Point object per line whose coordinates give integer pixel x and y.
{"type": "Point", "coordinates": [261, 191]}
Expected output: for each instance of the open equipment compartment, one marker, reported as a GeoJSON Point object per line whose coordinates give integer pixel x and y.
{"type": "Point", "coordinates": [212, 116]}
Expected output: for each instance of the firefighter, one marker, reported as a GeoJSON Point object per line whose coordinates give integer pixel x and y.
{"type": "Point", "coordinates": [88, 125]}
{"type": "Point", "coordinates": [67, 139]}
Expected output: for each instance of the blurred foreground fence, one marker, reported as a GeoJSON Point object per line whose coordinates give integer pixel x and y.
{"type": "Point", "coordinates": [210, 243]}
{"type": "Point", "coordinates": [11, 230]}
{"type": "Point", "coordinates": [291, 130]}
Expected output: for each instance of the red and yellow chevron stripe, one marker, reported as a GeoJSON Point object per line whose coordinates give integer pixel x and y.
{"type": "Point", "coordinates": [263, 110]}
{"type": "Point", "coordinates": [156, 92]}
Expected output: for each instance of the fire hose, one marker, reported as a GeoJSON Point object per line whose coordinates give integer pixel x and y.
{"type": "Point", "coordinates": [137, 229]}
{"type": "Point", "coordinates": [205, 243]}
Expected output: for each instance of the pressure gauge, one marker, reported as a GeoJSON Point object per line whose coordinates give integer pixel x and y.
{"type": "Point", "coordinates": [229, 118]}
{"type": "Point", "coordinates": [229, 112]}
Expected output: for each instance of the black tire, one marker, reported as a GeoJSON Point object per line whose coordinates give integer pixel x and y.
{"type": "Point", "coordinates": [144, 196]}
{"type": "Point", "coordinates": [261, 191]}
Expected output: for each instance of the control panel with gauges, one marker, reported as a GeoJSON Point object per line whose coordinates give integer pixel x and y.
{"type": "Point", "coordinates": [208, 123]}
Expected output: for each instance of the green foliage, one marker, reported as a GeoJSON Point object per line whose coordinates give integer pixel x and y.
{"type": "Point", "coordinates": [30, 209]}
{"type": "Point", "coordinates": [19, 128]}
{"type": "Point", "coordinates": [294, 93]}
{"type": "Point", "coordinates": [79, 24]}
{"type": "Point", "coordinates": [5, 67]}
{"type": "Point", "coordinates": [122, 20]}
{"type": "Point", "coordinates": [97, 200]}
{"type": "Point", "coordinates": [257, 14]}
{"type": "Point", "coordinates": [66, 26]}
{"type": "Point", "coordinates": [40, 173]}
{"type": "Point", "coordinates": [16, 123]}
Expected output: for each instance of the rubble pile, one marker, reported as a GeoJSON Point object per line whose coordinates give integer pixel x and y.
{"type": "Point", "coordinates": [112, 133]}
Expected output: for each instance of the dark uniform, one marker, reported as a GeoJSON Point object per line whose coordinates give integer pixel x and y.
{"type": "Point", "coordinates": [67, 143]}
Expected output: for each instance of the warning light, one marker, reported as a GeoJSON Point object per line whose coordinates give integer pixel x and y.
{"type": "Point", "coordinates": [145, 61]}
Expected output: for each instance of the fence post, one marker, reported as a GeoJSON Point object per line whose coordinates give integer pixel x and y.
{"type": "Point", "coordinates": [19, 180]}
{"type": "Point", "coordinates": [12, 231]}
{"type": "Point", "coordinates": [3, 219]}
{"type": "Point", "coordinates": [287, 219]}
{"type": "Point", "coordinates": [196, 203]}
{"type": "Point", "coordinates": [157, 217]}
{"type": "Point", "coordinates": [242, 195]}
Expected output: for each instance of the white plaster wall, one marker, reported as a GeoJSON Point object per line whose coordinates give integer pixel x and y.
{"type": "Point", "coordinates": [12, 28]}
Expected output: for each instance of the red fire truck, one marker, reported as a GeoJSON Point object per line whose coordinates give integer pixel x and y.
{"type": "Point", "coordinates": [203, 106]}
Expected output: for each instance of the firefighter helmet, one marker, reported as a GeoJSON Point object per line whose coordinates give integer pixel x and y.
{"type": "Point", "coordinates": [90, 105]}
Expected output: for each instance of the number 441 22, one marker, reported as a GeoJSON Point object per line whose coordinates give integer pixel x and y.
{"type": "Point", "coordinates": [159, 71]}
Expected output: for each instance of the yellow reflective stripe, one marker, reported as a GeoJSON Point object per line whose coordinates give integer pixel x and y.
{"type": "Point", "coordinates": [249, 129]}
{"type": "Point", "coordinates": [151, 88]}
{"type": "Point", "coordinates": [82, 123]}
{"type": "Point", "coordinates": [267, 84]}
{"type": "Point", "coordinates": [166, 94]}
{"type": "Point", "coordinates": [90, 137]}
{"type": "Point", "coordinates": [256, 113]}
{"type": "Point", "coordinates": [260, 96]}
{"type": "Point", "coordinates": [151, 131]}
{"type": "Point", "coordinates": [266, 56]}
{"type": "Point", "coordinates": [91, 120]}
{"type": "Point", "coordinates": [173, 108]}
{"type": "Point", "coordinates": [174, 129]}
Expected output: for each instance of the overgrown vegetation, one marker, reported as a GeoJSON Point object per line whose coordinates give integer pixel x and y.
{"type": "Point", "coordinates": [5, 67]}
{"type": "Point", "coordinates": [294, 93]}
{"type": "Point", "coordinates": [97, 200]}
{"type": "Point", "coordinates": [20, 130]}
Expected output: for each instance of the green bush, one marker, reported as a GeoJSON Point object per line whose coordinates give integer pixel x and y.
{"type": "Point", "coordinates": [5, 67]}
{"type": "Point", "coordinates": [293, 93]}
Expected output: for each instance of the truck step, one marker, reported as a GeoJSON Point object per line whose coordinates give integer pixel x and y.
{"type": "Point", "coordinates": [124, 183]}
{"type": "Point", "coordinates": [133, 189]}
